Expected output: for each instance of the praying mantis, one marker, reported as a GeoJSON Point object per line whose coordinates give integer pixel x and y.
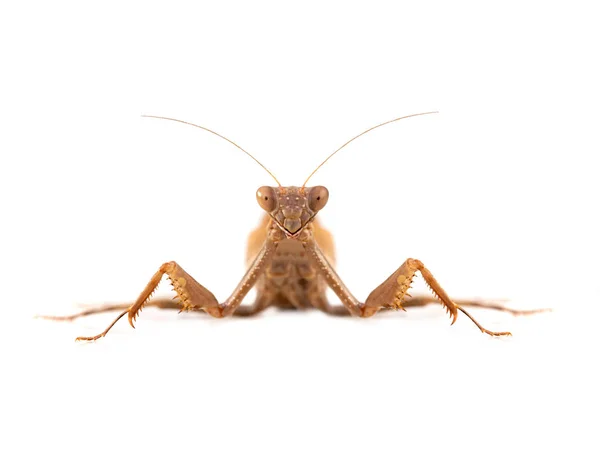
{"type": "Point", "coordinates": [290, 266]}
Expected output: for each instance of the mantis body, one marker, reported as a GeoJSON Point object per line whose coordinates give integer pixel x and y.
{"type": "Point", "coordinates": [290, 265]}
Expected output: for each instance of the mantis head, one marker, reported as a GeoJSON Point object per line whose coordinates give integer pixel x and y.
{"type": "Point", "coordinates": [292, 208]}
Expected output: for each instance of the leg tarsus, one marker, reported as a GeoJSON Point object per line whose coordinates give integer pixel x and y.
{"type": "Point", "coordinates": [482, 329]}
{"type": "Point", "coordinates": [98, 336]}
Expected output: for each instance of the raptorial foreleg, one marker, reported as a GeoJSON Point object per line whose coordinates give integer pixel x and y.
{"type": "Point", "coordinates": [191, 295]}
{"type": "Point", "coordinates": [390, 294]}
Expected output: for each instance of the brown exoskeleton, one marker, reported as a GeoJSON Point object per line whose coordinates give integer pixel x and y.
{"type": "Point", "coordinates": [290, 266]}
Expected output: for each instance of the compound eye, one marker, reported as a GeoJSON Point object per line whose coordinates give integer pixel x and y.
{"type": "Point", "coordinates": [317, 198]}
{"type": "Point", "coordinates": [266, 198]}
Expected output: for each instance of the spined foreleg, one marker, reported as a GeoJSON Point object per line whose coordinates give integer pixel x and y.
{"type": "Point", "coordinates": [392, 293]}
{"type": "Point", "coordinates": [191, 295]}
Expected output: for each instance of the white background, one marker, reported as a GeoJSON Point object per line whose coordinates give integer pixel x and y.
{"type": "Point", "coordinates": [497, 194]}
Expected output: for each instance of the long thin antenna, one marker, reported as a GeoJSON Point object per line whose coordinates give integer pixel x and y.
{"type": "Point", "coordinates": [216, 134]}
{"type": "Point", "coordinates": [365, 132]}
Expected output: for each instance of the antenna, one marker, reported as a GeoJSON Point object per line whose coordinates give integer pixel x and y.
{"type": "Point", "coordinates": [216, 134]}
{"type": "Point", "coordinates": [365, 132]}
